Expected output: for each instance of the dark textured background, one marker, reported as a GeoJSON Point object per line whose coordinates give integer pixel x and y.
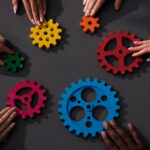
{"type": "Point", "coordinates": [74, 58]}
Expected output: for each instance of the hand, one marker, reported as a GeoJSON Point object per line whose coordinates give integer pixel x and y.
{"type": "Point", "coordinates": [92, 6]}
{"type": "Point", "coordinates": [143, 47]}
{"type": "Point", "coordinates": [35, 9]}
{"type": "Point", "coordinates": [7, 115]}
{"type": "Point", "coordinates": [4, 49]}
{"type": "Point", "coordinates": [116, 138]}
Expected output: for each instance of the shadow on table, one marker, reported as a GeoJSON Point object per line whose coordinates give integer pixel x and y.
{"type": "Point", "coordinates": [16, 139]}
{"type": "Point", "coordinates": [108, 14]}
{"type": "Point", "coordinates": [20, 72]}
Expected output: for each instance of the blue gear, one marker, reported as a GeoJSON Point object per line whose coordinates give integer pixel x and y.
{"type": "Point", "coordinates": [80, 127]}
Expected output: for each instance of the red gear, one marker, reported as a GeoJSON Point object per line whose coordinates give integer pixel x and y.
{"type": "Point", "coordinates": [26, 99]}
{"type": "Point", "coordinates": [120, 52]}
{"type": "Point", "coordinates": [89, 23]}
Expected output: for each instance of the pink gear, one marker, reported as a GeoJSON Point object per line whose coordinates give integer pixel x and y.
{"type": "Point", "coordinates": [120, 52]}
{"type": "Point", "coordinates": [26, 99]}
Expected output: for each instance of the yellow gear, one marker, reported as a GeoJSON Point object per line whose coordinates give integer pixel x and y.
{"type": "Point", "coordinates": [46, 34]}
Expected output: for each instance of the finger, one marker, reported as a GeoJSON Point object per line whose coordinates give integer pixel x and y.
{"type": "Point", "coordinates": [2, 135]}
{"type": "Point", "coordinates": [134, 134]}
{"type": "Point", "coordinates": [84, 2]}
{"type": "Point", "coordinates": [97, 6]}
{"type": "Point", "coordinates": [141, 42]}
{"type": "Point", "coordinates": [108, 141]}
{"type": "Point", "coordinates": [44, 6]}
{"type": "Point", "coordinates": [15, 5]}
{"type": "Point", "coordinates": [86, 6]}
{"type": "Point", "coordinates": [118, 4]}
{"type": "Point", "coordinates": [90, 7]}
{"type": "Point", "coordinates": [7, 122]}
{"type": "Point", "coordinates": [2, 40]}
{"type": "Point", "coordinates": [2, 63]}
{"type": "Point", "coordinates": [142, 52]}
{"type": "Point", "coordinates": [27, 7]}
{"type": "Point", "coordinates": [41, 10]}
{"type": "Point", "coordinates": [5, 49]}
{"type": "Point", "coordinates": [113, 135]}
{"type": "Point", "coordinates": [121, 132]}
{"type": "Point", "coordinates": [137, 48]}
{"type": "Point", "coordinates": [4, 111]}
{"type": "Point", "coordinates": [35, 11]}
{"type": "Point", "coordinates": [7, 115]}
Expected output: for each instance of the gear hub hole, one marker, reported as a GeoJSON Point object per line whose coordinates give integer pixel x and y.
{"type": "Point", "coordinates": [47, 39]}
{"type": "Point", "coordinates": [51, 29]}
{"type": "Point", "coordinates": [77, 114]}
{"type": "Point", "coordinates": [20, 105]}
{"type": "Point", "coordinates": [100, 113]}
{"type": "Point", "coordinates": [40, 39]}
{"type": "Point", "coordinates": [88, 106]}
{"type": "Point", "coordinates": [45, 33]}
{"type": "Point", "coordinates": [120, 51]}
{"type": "Point", "coordinates": [23, 91]}
{"type": "Point", "coordinates": [104, 98]}
{"type": "Point", "coordinates": [35, 99]}
{"type": "Point", "coordinates": [14, 61]}
{"type": "Point", "coordinates": [73, 98]}
{"type": "Point", "coordinates": [90, 22]}
{"type": "Point", "coordinates": [52, 35]}
{"type": "Point", "coordinates": [88, 124]}
{"type": "Point", "coordinates": [37, 33]}
{"type": "Point", "coordinates": [88, 94]}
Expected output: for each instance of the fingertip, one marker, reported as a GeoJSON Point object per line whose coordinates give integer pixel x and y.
{"type": "Point", "coordinates": [104, 135]}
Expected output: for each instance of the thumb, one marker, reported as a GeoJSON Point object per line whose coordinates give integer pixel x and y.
{"type": "Point", "coordinates": [15, 4]}
{"type": "Point", "coordinates": [118, 4]}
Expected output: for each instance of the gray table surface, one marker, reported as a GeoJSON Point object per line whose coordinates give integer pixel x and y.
{"type": "Point", "coordinates": [74, 58]}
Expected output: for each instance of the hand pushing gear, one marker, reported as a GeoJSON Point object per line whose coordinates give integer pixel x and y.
{"type": "Point", "coordinates": [46, 34]}
{"type": "Point", "coordinates": [73, 98]}
{"type": "Point", "coordinates": [26, 99]}
{"type": "Point", "coordinates": [89, 23]}
{"type": "Point", "coordinates": [14, 62]}
{"type": "Point", "coordinates": [120, 52]}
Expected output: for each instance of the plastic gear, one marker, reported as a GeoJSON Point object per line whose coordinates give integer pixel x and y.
{"type": "Point", "coordinates": [46, 34]}
{"type": "Point", "coordinates": [73, 98]}
{"type": "Point", "coordinates": [14, 62]}
{"type": "Point", "coordinates": [89, 23]}
{"type": "Point", "coordinates": [120, 52]}
{"type": "Point", "coordinates": [26, 99]}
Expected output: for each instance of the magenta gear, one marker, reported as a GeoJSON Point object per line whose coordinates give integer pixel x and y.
{"type": "Point", "coordinates": [26, 99]}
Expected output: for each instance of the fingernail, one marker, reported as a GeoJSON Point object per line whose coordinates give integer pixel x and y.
{"type": "Point", "coordinates": [87, 13]}
{"type": "Point", "coordinates": [44, 12]}
{"type": "Point", "coordinates": [148, 60]}
{"type": "Point", "coordinates": [105, 124]}
{"type": "Point", "coordinates": [32, 20]}
{"type": "Point", "coordinates": [104, 135]}
{"type": "Point", "coordinates": [130, 48]}
{"type": "Point", "coordinates": [133, 55]}
{"type": "Point", "coordinates": [41, 19]}
{"type": "Point", "coordinates": [130, 126]}
{"type": "Point", "coordinates": [15, 9]}
{"type": "Point", "coordinates": [135, 42]}
{"type": "Point", "coordinates": [38, 22]}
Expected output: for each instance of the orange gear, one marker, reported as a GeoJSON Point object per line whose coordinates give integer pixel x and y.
{"type": "Point", "coordinates": [89, 23]}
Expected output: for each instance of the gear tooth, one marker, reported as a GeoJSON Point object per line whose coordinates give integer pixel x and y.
{"type": "Point", "coordinates": [118, 32]}
{"type": "Point", "coordinates": [62, 96]}
{"type": "Point", "coordinates": [136, 66]}
{"type": "Point", "coordinates": [12, 89]}
{"type": "Point", "coordinates": [100, 44]}
{"type": "Point", "coordinates": [115, 71]}
{"type": "Point", "coordinates": [8, 103]}
{"type": "Point", "coordinates": [70, 129]}
{"type": "Point", "coordinates": [93, 134]}
{"type": "Point", "coordinates": [60, 110]}
{"type": "Point", "coordinates": [80, 81]}
{"type": "Point", "coordinates": [114, 93]}
{"type": "Point", "coordinates": [25, 82]}
{"type": "Point", "coordinates": [102, 64]}
{"type": "Point", "coordinates": [104, 38]}
{"type": "Point", "coordinates": [65, 124]}
{"type": "Point", "coordinates": [130, 69]}
{"type": "Point", "coordinates": [61, 117]}
{"type": "Point", "coordinates": [108, 69]}
{"type": "Point", "coordinates": [98, 52]}
{"type": "Point", "coordinates": [17, 84]}
{"type": "Point", "coordinates": [31, 115]}
{"type": "Point", "coordinates": [8, 96]}
{"type": "Point", "coordinates": [116, 100]}
{"type": "Point", "coordinates": [73, 84]}
{"type": "Point", "coordinates": [109, 87]}
{"type": "Point", "coordinates": [78, 132]}
{"type": "Point", "coordinates": [132, 35]}
{"type": "Point", "coordinates": [117, 107]}
{"type": "Point", "coordinates": [87, 79]}
{"type": "Point", "coordinates": [60, 103]}
{"type": "Point", "coordinates": [116, 115]}
{"type": "Point", "coordinates": [85, 134]}
{"type": "Point", "coordinates": [95, 80]}
{"type": "Point", "coordinates": [103, 83]}
{"type": "Point", "coordinates": [111, 34]}
{"type": "Point", "coordinates": [125, 32]}
{"type": "Point", "coordinates": [67, 89]}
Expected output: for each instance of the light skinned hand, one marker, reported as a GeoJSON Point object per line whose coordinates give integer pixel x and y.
{"type": "Point", "coordinates": [4, 49]}
{"type": "Point", "coordinates": [7, 116]}
{"type": "Point", "coordinates": [141, 48]}
{"type": "Point", "coordinates": [116, 138]}
{"type": "Point", "coordinates": [92, 6]}
{"type": "Point", "coordinates": [35, 9]}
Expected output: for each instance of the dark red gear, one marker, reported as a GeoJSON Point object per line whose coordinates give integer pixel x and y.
{"type": "Point", "coordinates": [26, 99]}
{"type": "Point", "coordinates": [120, 52]}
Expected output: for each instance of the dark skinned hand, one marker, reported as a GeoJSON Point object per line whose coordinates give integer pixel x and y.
{"type": "Point", "coordinates": [116, 138]}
